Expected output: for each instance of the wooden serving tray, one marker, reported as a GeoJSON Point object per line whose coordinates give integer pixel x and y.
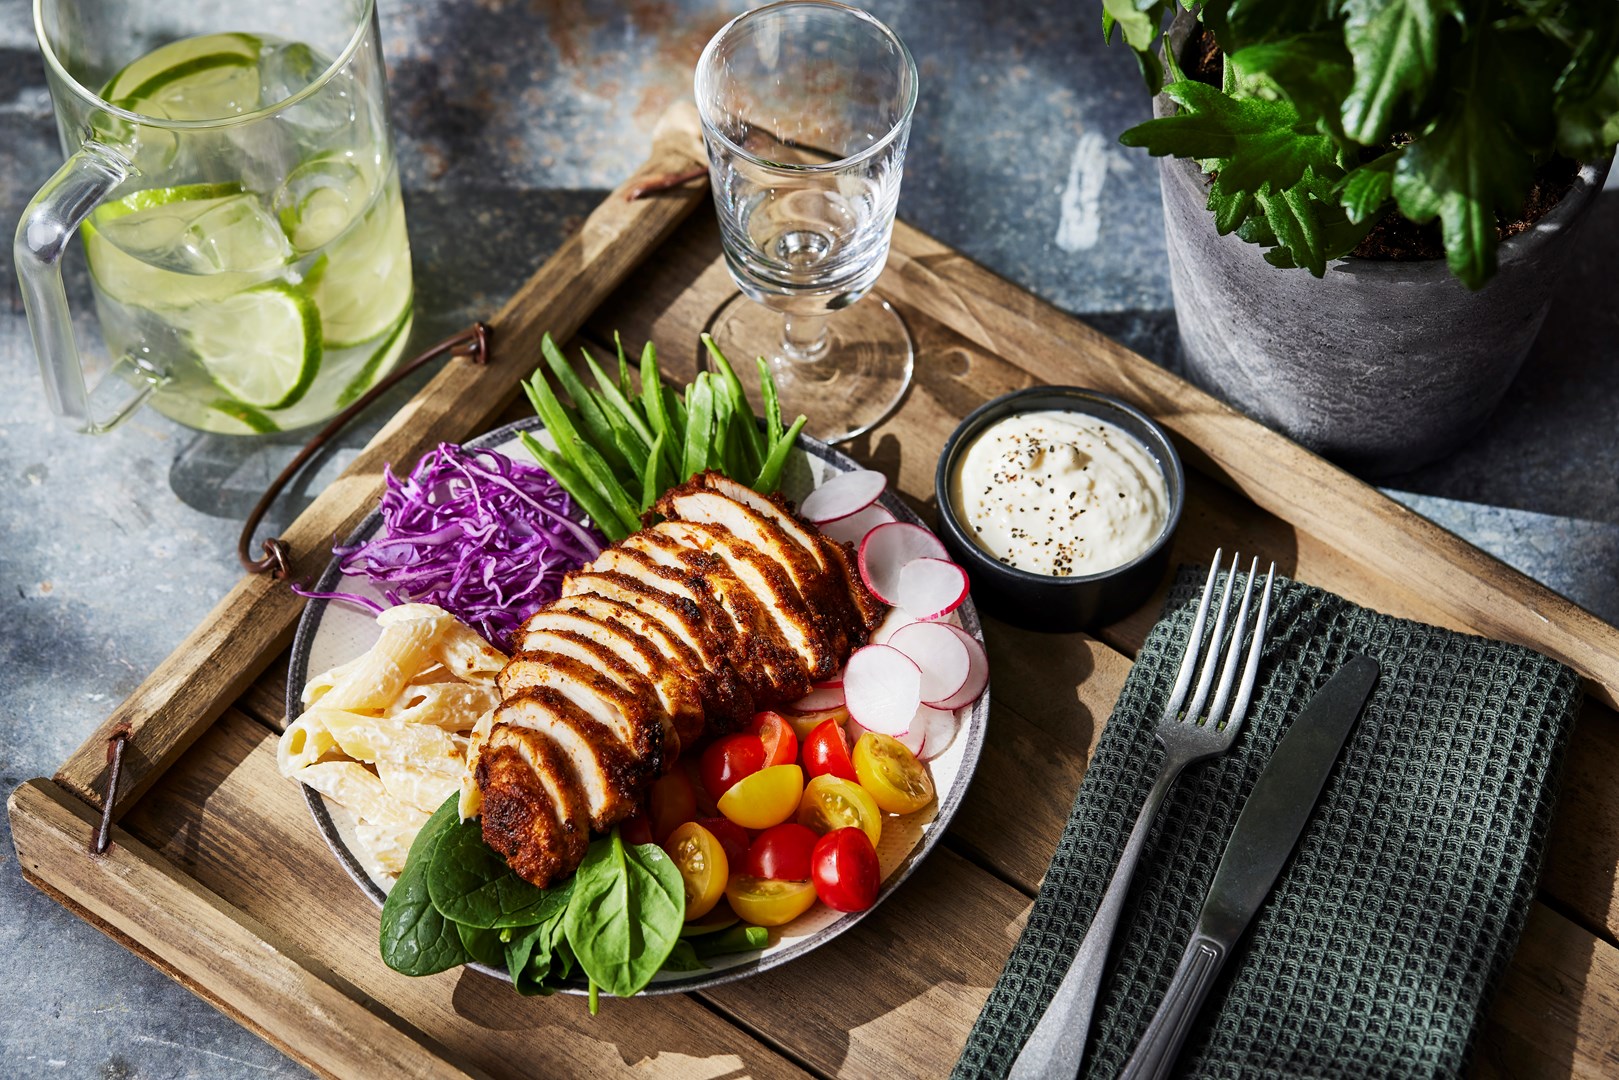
{"type": "Point", "coordinates": [218, 877]}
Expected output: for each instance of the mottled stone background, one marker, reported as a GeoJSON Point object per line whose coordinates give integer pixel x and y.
{"type": "Point", "coordinates": [512, 119]}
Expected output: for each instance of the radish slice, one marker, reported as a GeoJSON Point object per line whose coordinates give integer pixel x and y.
{"type": "Point", "coordinates": [977, 672]}
{"type": "Point", "coordinates": [938, 650]}
{"type": "Point", "coordinates": [882, 689]}
{"type": "Point", "coordinates": [834, 683]}
{"type": "Point", "coordinates": [844, 494]}
{"type": "Point", "coordinates": [853, 529]}
{"type": "Point", "coordinates": [929, 588]}
{"type": "Point", "coordinates": [885, 551]}
{"type": "Point", "coordinates": [816, 700]}
{"type": "Point", "coordinates": [938, 727]}
{"type": "Point", "coordinates": [913, 739]}
{"type": "Point", "coordinates": [895, 621]}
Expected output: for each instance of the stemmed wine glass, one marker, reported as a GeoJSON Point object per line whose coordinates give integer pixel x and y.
{"type": "Point", "coordinates": [806, 106]}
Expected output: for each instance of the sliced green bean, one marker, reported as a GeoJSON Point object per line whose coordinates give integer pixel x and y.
{"type": "Point", "coordinates": [770, 476]}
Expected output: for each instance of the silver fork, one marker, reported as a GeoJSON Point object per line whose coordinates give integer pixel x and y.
{"type": "Point", "coordinates": [1188, 735]}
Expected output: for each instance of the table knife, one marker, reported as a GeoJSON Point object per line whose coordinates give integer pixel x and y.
{"type": "Point", "coordinates": [1267, 831]}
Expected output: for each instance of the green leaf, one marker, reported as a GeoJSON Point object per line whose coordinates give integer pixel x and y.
{"type": "Point", "coordinates": [1395, 46]}
{"type": "Point", "coordinates": [1254, 141]}
{"type": "Point", "coordinates": [625, 914]}
{"type": "Point", "coordinates": [1364, 191]}
{"type": "Point", "coordinates": [537, 958]}
{"type": "Point", "coordinates": [482, 945]}
{"type": "Point", "coordinates": [683, 958]}
{"type": "Point", "coordinates": [1465, 168]}
{"type": "Point", "coordinates": [1293, 220]}
{"type": "Point", "coordinates": [1245, 22]}
{"type": "Point", "coordinates": [1310, 70]}
{"type": "Point", "coordinates": [415, 939]}
{"type": "Point", "coordinates": [472, 883]}
{"type": "Point", "coordinates": [1139, 27]}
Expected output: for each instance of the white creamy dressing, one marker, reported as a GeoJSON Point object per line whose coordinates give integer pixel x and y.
{"type": "Point", "coordinates": [1060, 493]}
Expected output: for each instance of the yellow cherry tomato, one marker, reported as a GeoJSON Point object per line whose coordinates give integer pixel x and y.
{"type": "Point", "coordinates": [703, 867]}
{"type": "Point", "coordinates": [767, 901]}
{"type": "Point", "coordinates": [831, 802]}
{"type": "Point", "coordinates": [805, 723]}
{"type": "Point", "coordinates": [897, 781]}
{"type": "Point", "coordinates": [765, 798]}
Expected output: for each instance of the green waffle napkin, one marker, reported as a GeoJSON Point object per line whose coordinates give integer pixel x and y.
{"type": "Point", "coordinates": [1377, 951]}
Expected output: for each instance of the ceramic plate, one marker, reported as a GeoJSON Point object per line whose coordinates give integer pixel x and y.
{"type": "Point", "coordinates": [332, 632]}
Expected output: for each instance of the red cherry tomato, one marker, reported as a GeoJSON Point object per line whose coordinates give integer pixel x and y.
{"type": "Point", "coordinates": [780, 743]}
{"type": "Point", "coordinates": [706, 805]}
{"type": "Point", "coordinates": [636, 830]}
{"type": "Point", "coordinates": [671, 804]}
{"type": "Point", "coordinates": [782, 853]}
{"type": "Point", "coordinates": [827, 751]}
{"type": "Point", "coordinates": [732, 837]}
{"type": "Point", "coordinates": [845, 870]}
{"type": "Point", "coordinates": [730, 758]}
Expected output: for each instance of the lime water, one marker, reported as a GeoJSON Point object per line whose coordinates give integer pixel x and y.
{"type": "Point", "coordinates": [267, 283]}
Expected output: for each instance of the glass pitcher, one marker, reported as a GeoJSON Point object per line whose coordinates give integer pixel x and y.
{"type": "Point", "coordinates": [231, 175]}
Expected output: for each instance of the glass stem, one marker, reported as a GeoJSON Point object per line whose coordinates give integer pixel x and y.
{"type": "Point", "coordinates": [804, 338]}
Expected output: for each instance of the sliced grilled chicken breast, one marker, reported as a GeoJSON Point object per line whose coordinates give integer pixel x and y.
{"type": "Point", "coordinates": [534, 810]}
{"type": "Point", "coordinates": [611, 780]}
{"type": "Point", "coordinates": [627, 715]}
{"type": "Point", "coordinates": [632, 657]}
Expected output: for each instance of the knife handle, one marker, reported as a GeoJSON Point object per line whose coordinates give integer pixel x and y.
{"type": "Point", "coordinates": [1161, 1045]}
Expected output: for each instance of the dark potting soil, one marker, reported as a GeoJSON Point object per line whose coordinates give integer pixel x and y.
{"type": "Point", "coordinates": [1396, 238]}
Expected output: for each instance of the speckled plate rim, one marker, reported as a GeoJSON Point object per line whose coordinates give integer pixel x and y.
{"type": "Point", "coordinates": [974, 724]}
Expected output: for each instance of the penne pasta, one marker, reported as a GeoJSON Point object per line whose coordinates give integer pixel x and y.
{"type": "Point", "coordinates": [376, 680]}
{"type": "Point", "coordinates": [420, 786]}
{"type": "Point", "coordinates": [305, 742]}
{"type": "Point", "coordinates": [470, 657]}
{"type": "Point", "coordinates": [388, 843]}
{"type": "Point", "coordinates": [352, 785]}
{"type": "Point", "coordinates": [378, 738]}
{"type": "Point", "coordinates": [452, 706]}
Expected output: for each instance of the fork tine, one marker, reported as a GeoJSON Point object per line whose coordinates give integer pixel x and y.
{"type": "Point", "coordinates": [1239, 710]}
{"type": "Point", "coordinates": [1183, 680]}
{"type": "Point", "coordinates": [1233, 653]}
{"type": "Point", "coordinates": [1212, 653]}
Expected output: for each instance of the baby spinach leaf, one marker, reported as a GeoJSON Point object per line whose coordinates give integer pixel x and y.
{"type": "Point", "coordinates": [415, 938]}
{"type": "Point", "coordinates": [482, 945]}
{"type": "Point", "coordinates": [531, 951]}
{"type": "Point", "coordinates": [471, 883]}
{"type": "Point", "coordinates": [625, 914]}
{"type": "Point", "coordinates": [683, 958]}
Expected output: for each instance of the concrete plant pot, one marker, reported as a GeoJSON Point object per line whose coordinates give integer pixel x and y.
{"type": "Point", "coordinates": [1380, 366]}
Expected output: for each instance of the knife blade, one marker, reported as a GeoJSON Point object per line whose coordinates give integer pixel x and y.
{"type": "Point", "coordinates": [1267, 830]}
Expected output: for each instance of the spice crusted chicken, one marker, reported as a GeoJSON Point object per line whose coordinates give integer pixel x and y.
{"type": "Point", "coordinates": [728, 605]}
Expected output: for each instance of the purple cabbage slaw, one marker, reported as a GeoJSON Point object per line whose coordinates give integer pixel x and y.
{"type": "Point", "coordinates": [484, 537]}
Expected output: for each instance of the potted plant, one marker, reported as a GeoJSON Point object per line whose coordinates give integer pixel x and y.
{"type": "Point", "coordinates": [1368, 203]}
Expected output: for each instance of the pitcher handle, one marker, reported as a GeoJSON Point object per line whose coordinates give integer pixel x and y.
{"type": "Point", "coordinates": [50, 221]}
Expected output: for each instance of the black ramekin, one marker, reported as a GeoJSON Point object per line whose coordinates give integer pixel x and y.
{"type": "Point", "coordinates": [1043, 601]}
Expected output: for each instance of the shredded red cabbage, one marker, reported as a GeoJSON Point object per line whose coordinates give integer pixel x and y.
{"type": "Point", "coordinates": [482, 536]}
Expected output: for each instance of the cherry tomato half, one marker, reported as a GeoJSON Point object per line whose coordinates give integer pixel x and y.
{"type": "Point", "coordinates": [803, 723]}
{"type": "Point", "coordinates": [781, 744]}
{"type": "Point", "coordinates": [765, 798]}
{"type": "Point", "coordinates": [671, 803]}
{"type": "Point", "coordinates": [897, 781]}
{"type": "Point", "coordinates": [845, 870]}
{"type": "Point", "coordinates": [730, 758]}
{"type": "Point", "coordinates": [831, 803]}
{"type": "Point", "coordinates": [732, 837]}
{"type": "Point", "coordinates": [827, 751]}
{"type": "Point", "coordinates": [782, 852]}
{"type": "Point", "coordinates": [703, 867]}
{"type": "Point", "coordinates": [764, 902]}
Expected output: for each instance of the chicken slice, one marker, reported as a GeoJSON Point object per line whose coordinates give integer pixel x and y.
{"type": "Point", "coordinates": [607, 662]}
{"type": "Point", "coordinates": [633, 664]}
{"type": "Point", "coordinates": [679, 618]}
{"type": "Point", "coordinates": [768, 581]}
{"type": "Point", "coordinates": [534, 810]}
{"type": "Point", "coordinates": [761, 652]}
{"type": "Point", "coordinates": [610, 778]}
{"type": "Point", "coordinates": [625, 714]}
{"type": "Point", "coordinates": [723, 697]}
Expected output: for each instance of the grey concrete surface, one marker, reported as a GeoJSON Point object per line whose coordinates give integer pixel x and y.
{"type": "Point", "coordinates": [511, 120]}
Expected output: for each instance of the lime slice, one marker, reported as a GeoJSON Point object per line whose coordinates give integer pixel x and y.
{"type": "Point", "coordinates": [365, 287]}
{"type": "Point", "coordinates": [199, 78]}
{"type": "Point", "coordinates": [262, 346]}
{"type": "Point", "coordinates": [175, 247]}
{"type": "Point", "coordinates": [384, 356]}
{"type": "Point", "coordinates": [256, 422]}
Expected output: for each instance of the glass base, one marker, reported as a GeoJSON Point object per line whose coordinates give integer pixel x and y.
{"type": "Point", "coordinates": [855, 384]}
